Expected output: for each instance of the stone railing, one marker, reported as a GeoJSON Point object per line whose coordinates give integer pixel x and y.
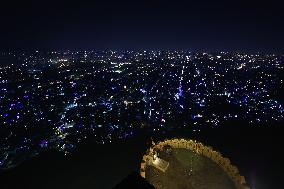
{"type": "Point", "coordinates": [201, 149]}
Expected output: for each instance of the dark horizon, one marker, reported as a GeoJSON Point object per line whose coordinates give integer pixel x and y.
{"type": "Point", "coordinates": [16, 51]}
{"type": "Point", "coordinates": [194, 26]}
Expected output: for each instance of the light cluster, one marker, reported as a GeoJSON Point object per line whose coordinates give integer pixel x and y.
{"type": "Point", "coordinates": [58, 99]}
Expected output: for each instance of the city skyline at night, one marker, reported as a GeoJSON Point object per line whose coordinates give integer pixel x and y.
{"type": "Point", "coordinates": [141, 94]}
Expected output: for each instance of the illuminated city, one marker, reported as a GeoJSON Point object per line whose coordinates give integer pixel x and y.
{"type": "Point", "coordinates": [141, 94]}
{"type": "Point", "coordinates": [59, 99]}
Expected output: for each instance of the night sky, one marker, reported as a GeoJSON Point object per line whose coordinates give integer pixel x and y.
{"type": "Point", "coordinates": [149, 24]}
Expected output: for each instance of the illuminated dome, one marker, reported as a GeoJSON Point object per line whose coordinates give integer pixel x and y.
{"type": "Point", "coordinates": [180, 163]}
